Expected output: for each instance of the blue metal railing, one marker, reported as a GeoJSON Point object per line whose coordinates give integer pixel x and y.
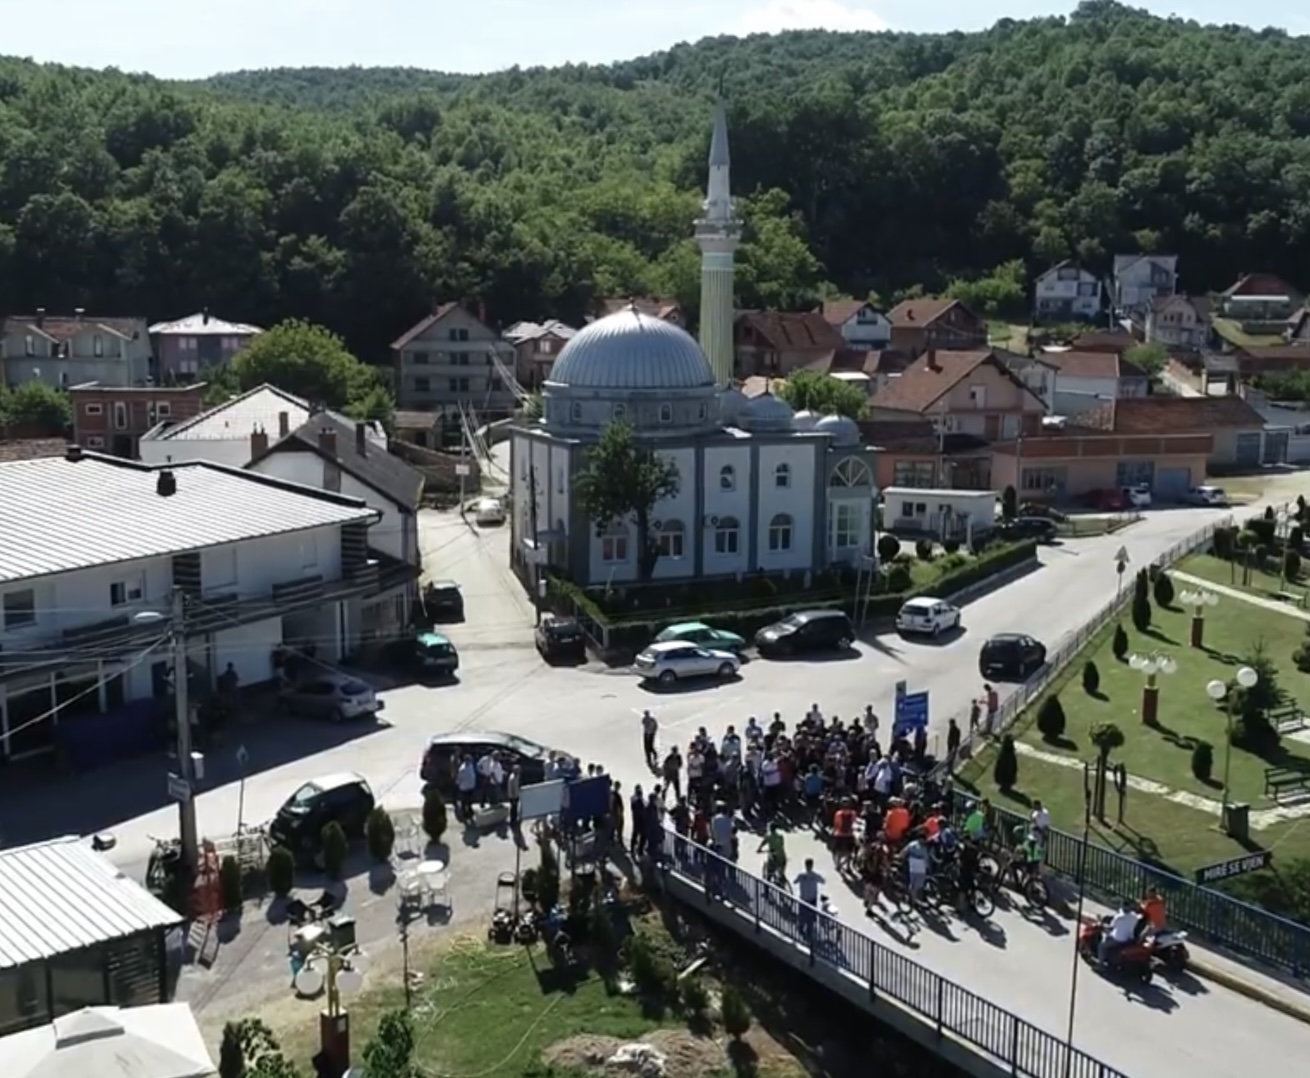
{"type": "Point", "coordinates": [949, 1009]}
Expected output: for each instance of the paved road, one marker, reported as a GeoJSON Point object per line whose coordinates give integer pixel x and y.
{"type": "Point", "coordinates": [594, 715]}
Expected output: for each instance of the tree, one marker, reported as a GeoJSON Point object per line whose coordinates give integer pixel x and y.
{"type": "Point", "coordinates": [1119, 643]}
{"type": "Point", "coordinates": [1005, 772]}
{"type": "Point", "coordinates": [734, 1012]}
{"type": "Point", "coordinates": [1148, 357]}
{"type": "Point", "coordinates": [390, 1051]}
{"type": "Point", "coordinates": [1091, 678]}
{"type": "Point", "coordinates": [435, 816]}
{"type": "Point", "coordinates": [1253, 728]}
{"type": "Point", "coordinates": [1141, 608]}
{"type": "Point", "coordinates": [888, 547]}
{"type": "Point", "coordinates": [624, 480]}
{"type": "Point", "coordinates": [1050, 718]}
{"type": "Point", "coordinates": [36, 406]}
{"type": "Point", "coordinates": [1009, 503]}
{"type": "Point", "coordinates": [821, 393]}
{"type": "Point", "coordinates": [252, 1051]}
{"type": "Point", "coordinates": [1002, 291]}
{"type": "Point", "coordinates": [1107, 737]}
{"type": "Point", "coordinates": [1164, 590]}
{"type": "Point", "coordinates": [231, 1056]}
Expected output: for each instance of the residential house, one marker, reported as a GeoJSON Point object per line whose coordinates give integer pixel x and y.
{"type": "Point", "coordinates": [859, 322]}
{"type": "Point", "coordinates": [1139, 279]}
{"type": "Point", "coordinates": [1260, 297]}
{"type": "Point", "coordinates": [91, 541]}
{"type": "Point", "coordinates": [452, 362]}
{"type": "Point", "coordinates": [185, 347]}
{"type": "Point", "coordinates": [1038, 373]}
{"type": "Point", "coordinates": [912, 452]}
{"type": "Point", "coordinates": [1179, 322]}
{"type": "Point", "coordinates": [422, 429]}
{"type": "Point", "coordinates": [536, 347]}
{"type": "Point", "coordinates": [114, 418]}
{"type": "Point", "coordinates": [870, 369]}
{"type": "Point", "coordinates": [667, 310]}
{"type": "Point", "coordinates": [971, 393]}
{"type": "Point", "coordinates": [221, 434]}
{"type": "Point", "coordinates": [776, 343]}
{"type": "Point", "coordinates": [68, 350]}
{"type": "Point", "coordinates": [340, 456]}
{"type": "Point", "coordinates": [1253, 362]}
{"type": "Point", "coordinates": [1067, 293]}
{"type": "Point", "coordinates": [935, 322]}
{"type": "Point", "coordinates": [1086, 380]}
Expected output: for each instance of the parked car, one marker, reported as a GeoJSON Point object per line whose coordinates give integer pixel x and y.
{"type": "Point", "coordinates": [673, 660]}
{"type": "Point", "coordinates": [344, 798]}
{"type": "Point", "coordinates": [1041, 509]}
{"type": "Point", "coordinates": [1209, 496]}
{"type": "Point", "coordinates": [1042, 529]}
{"type": "Point", "coordinates": [444, 752]}
{"type": "Point", "coordinates": [488, 511]}
{"type": "Point", "coordinates": [697, 632]}
{"type": "Point", "coordinates": [330, 695]}
{"type": "Point", "coordinates": [561, 639]}
{"type": "Point", "coordinates": [1108, 501]}
{"type": "Point", "coordinates": [806, 630]}
{"type": "Point", "coordinates": [1011, 656]}
{"type": "Point", "coordinates": [927, 615]}
{"type": "Point", "coordinates": [443, 601]}
{"type": "Point", "coordinates": [1138, 497]}
{"type": "Point", "coordinates": [431, 653]}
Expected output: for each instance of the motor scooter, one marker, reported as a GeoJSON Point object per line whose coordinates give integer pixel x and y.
{"type": "Point", "coordinates": [1135, 959]}
{"type": "Point", "coordinates": [1169, 948]}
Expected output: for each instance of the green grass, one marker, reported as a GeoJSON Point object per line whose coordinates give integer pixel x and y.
{"type": "Point", "coordinates": [1008, 335]}
{"type": "Point", "coordinates": [1231, 331]}
{"type": "Point", "coordinates": [1079, 527]}
{"type": "Point", "coordinates": [1231, 574]}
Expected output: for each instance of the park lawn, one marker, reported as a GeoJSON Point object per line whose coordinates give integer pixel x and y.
{"type": "Point", "coordinates": [1231, 574]}
{"type": "Point", "coordinates": [1085, 527]}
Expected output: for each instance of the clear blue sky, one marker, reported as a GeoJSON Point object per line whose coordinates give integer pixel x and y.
{"type": "Point", "coordinates": [195, 38]}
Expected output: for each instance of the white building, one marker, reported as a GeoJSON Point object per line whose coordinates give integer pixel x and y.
{"type": "Point", "coordinates": [1087, 380]}
{"type": "Point", "coordinates": [941, 514]}
{"type": "Point", "coordinates": [1141, 279]}
{"type": "Point", "coordinates": [1178, 322]}
{"type": "Point", "coordinates": [90, 541]}
{"type": "Point", "coordinates": [859, 322]}
{"type": "Point", "coordinates": [222, 434]}
{"type": "Point", "coordinates": [1067, 293]}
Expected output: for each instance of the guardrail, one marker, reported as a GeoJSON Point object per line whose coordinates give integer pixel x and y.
{"type": "Point", "coordinates": [948, 1011]}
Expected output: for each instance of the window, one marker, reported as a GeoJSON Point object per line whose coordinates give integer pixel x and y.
{"type": "Point", "coordinates": [94, 441]}
{"type": "Point", "coordinates": [1131, 473]}
{"type": "Point", "coordinates": [914, 473]}
{"type": "Point", "coordinates": [620, 413]}
{"type": "Point", "coordinates": [29, 343]}
{"type": "Point", "coordinates": [978, 396]}
{"type": "Point", "coordinates": [846, 533]}
{"type": "Point", "coordinates": [97, 345]}
{"type": "Point", "coordinates": [780, 533]}
{"type": "Point", "coordinates": [188, 366]}
{"type": "Point", "coordinates": [93, 409]}
{"type": "Point", "coordinates": [851, 472]}
{"type": "Point", "coordinates": [128, 590]}
{"type": "Point", "coordinates": [614, 545]}
{"type": "Point", "coordinates": [420, 358]}
{"type": "Point", "coordinates": [231, 344]}
{"type": "Point", "coordinates": [421, 385]}
{"type": "Point", "coordinates": [120, 415]}
{"type": "Point", "coordinates": [782, 476]}
{"type": "Point", "coordinates": [575, 412]}
{"type": "Point", "coordinates": [459, 385]}
{"type": "Point", "coordinates": [163, 408]}
{"type": "Point", "coordinates": [1043, 480]}
{"type": "Point", "coordinates": [666, 413]}
{"type": "Point", "coordinates": [20, 608]}
{"type": "Point", "coordinates": [727, 536]}
{"type": "Point", "coordinates": [459, 335]}
{"type": "Point", "coordinates": [727, 478]}
{"type": "Point", "coordinates": [672, 539]}
{"type": "Point", "coordinates": [460, 359]}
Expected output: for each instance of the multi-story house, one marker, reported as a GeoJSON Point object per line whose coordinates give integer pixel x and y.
{"type": "Point", "coordinates": [1140, 279]}
{"type": "Point", "coordinates": [1067, 293]}
{"type": "Point", "coordinates": [262, 567]}
{"type": "Point", "coordinates": [1298, 327]}
{"type": "Point", "coordinates": [1087, 380]}
{"type": "Point", "coordinates": [773, 344]}
{"type": "Point", "coordinates": [935, 322]}
{"type": "Point", "coordinates": [189, 345]}
{"type": "Point", "coordinates": [536, 347]}
{"type": "Point", "coordinates": [453, 361]}
{"type": "Point", "coordinates": [1179, 322]}
{"type": "Point", "coordinates": [1036, 372]}
{"type": "Point", "coordinates": [859, 322]}
{"type": "Point", "coordinates": [67, 350]}
{"type": "Point", "coordinates": [113, 419]}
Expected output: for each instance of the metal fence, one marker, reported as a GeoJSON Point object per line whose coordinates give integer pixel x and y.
{"type": "Point", "coordinates": [950, 1010]}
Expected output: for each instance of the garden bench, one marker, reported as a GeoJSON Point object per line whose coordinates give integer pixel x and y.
{"type": "Point", "coordinates": [1296, 598]}
{"type": "Point", "coordinates": [1281, 780]}
{"type": "Point", "coordinates": [1288, 720]}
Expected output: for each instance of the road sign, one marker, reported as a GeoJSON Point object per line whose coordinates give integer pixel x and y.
{"type": "Point", "coordinates": [178, 788]}
{"type": "Point", "coordinates": [463, 470]}
{"type": "Point", "coordinates": [911, 713]}
{"type": "Point", "coordinates": [1238, 866]}
{"type": "Point", "coordinates": [1121, 557]}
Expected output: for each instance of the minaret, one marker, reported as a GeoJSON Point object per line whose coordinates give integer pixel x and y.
{"type": "Point", "coordinates": [718, 232]}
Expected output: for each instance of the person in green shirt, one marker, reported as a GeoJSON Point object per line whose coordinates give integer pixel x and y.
{"type": "Point", "coordinates": [975, 824]}
{"type": "Point", "coordinates": [775, 866]}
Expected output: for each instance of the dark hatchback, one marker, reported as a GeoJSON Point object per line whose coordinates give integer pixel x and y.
{"type": "Point", "coordinates": [1011, 657]}
{"type": "Point", "coordinates": [343, 798]}
{"type": "Point", "coordinates": [806, 631]}
{"type": "Point", "coordinates": [444, 752]}
{"type": "Point", "coordinates": [443, 601]}
{"type": "Point", "coordinates": [561, 639]}
{"type": "Point", "coordinates": [1043, 529]}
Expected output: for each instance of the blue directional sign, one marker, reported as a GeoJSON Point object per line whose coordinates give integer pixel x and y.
{"type": "Point", "coordinates": [911, 713]}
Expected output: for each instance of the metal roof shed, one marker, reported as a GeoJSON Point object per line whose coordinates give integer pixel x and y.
{"type": "Point", "coordinates": [75, 932]}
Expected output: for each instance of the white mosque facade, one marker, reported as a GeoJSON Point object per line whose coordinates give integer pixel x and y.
{"type": "Point", "coordinates": [761, 490]}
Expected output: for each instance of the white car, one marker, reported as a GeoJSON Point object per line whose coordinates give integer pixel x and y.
{"type": "Point", "coordinates": [1213, 496]}
{"type": "Point", "coordinates": [1138, 497]}
{"type": "Point", "coordinates": [927, 615]}
{"type": "Point", "coordinates": [674, 660]}
{"type": "Point", "coordinates": [488, 511]}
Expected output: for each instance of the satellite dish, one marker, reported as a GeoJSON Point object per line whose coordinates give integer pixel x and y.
{"type": "Point", "coordinates": [309, 981]}
{"type": "Point", "coordinates": [349, 983]}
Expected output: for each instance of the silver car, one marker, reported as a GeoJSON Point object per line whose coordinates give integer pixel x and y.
{"type": "Point", "coordinates": [672, 660]}
{"type": "Point", "coordinates": [338, 697]}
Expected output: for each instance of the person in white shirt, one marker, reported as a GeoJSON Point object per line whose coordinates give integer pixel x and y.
{"type": "Point", "coordinates": [722, 830]}
{"type": "Point", "coordinates": [1122, 930]}
{"type": "Point", "coordinates": [814, 715]}
{"type": "Point", "coordinates": [649, 728]}
{"type": "Point", "coordinates": [486, 774]}
{"type": "Point", "coordinates": [771, 777]}
{"type": "Point", "coordinates": [466, 786]}
{"type": "Point", "coordinates": [753, 731]}
{"type": "Point", "coordinates": [916, 866]}
{"type": "Point", "coordinates": [883, 776]}
{"type": "Point", "coordinates": [1040, 820]}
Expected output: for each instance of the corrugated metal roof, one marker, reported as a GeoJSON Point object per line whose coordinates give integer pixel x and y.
{"type": "Point", "coordinates": [58, 515]}
{"type": "Point", "coordinates": [258, 408]}
{"type": "Point", "coordinates": [201, 324]}
{"type": "Point", "coordinates": [60, 896]}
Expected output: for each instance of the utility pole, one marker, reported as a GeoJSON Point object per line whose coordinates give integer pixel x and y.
{"type": "Point", "coordinates": [536, 551]}
{"type": "Point", "coordinates": [187, 830]}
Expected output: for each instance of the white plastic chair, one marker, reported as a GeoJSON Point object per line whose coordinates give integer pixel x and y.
{"type": "Point", "coordinates": [436, 889]}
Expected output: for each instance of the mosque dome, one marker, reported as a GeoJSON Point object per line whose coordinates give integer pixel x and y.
{"type": "Point", "coordinates": [766, 412]}
{"type": "Point", "coordinates": [629, 350]}
{"type": "Point", "coordinates": [843, 431]}
{"type": "Point", "coordinates": [732, 402]}
{"type": "Point", "coordinates": [804, 420]}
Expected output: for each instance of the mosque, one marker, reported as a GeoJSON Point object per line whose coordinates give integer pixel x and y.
{"type": "Point", "coordinates": [761, 489]}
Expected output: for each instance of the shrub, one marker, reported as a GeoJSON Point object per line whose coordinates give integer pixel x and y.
{"type": "Point", "coordinates": [1050, 718]}
{"type": "Point", "coordinates": [695, 997]}
{"type": "Point", "coordinates": [1296, 537]}
{"type": "Point", "coordinates": [1301, 656]}
{"type": "Point", "coordinates": [1262, 531]}
{"type": "Point", "coordinates": [951, 546]}
{"type": "Point", "coordinates": [231, 1053]}
{"type": "Point", "coordinates": [1203, 760]}
{"type": "Point", "coordinates": [888, 547]}
{"type": "Point", "coordinates": [734, 1012]}
{"type": "Point", "coordinates": [229, 883]}
{"type": "Point", "coordinates": [1291, 565]}
{"type": "Point", "coordinates": [381, 834]}
{"type": "Point", "coordinates": [1005, 772]}
{"type": "Point", "coordinates": [1009, 503]}
{"type": "Point", "coordinates": [923, 550]}
{"type": "Point", "coordinates": [899, 578]}
{"type": "Point", "coordinates": [1225, 542]}
{"type": "Point", "coordinates": [1091, 678]}
{"type": "Point", "coordinates": [651, 973]}
{"type": "Point", "coordinates": [1141, 612]}
{"type": "Point", "coordinates": [435, 817]}
{"type": "Point", "coordinates": [335, 849]}
{"type": "Point", "coordinates": [1141, 585]}
{"type": "Point", "coordinates": [281, 871]}
{"type": "Point", "coordinates": [1164, 591]}
{"type": "Point", "coordinates": [1119, 644]}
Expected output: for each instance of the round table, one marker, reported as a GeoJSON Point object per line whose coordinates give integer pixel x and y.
{"type": "Point", "coordinates": [432, 867]}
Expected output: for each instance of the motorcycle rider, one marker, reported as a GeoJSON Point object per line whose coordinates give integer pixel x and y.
{"type": "Point", "coordinates": [1121, 931]}
{"type": "Point", "coordinates": [1153, 912]}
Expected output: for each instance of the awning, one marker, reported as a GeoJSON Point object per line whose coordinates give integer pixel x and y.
{"type": "Point", "coordinates": [161, 1041]}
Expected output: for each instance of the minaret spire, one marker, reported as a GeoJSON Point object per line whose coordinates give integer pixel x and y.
{"type": "Point", "coordinates": [718, 232]}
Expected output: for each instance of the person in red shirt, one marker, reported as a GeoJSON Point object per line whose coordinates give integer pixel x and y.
{"type": "Point", "coordinates": [843, 834]}
{"type": "Point", "coordinates": [896, 825]}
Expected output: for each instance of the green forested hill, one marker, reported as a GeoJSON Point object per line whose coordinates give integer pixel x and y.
{"type": "Point", "coordinates": [355, 197]}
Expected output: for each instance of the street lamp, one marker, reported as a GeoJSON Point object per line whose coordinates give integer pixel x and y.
{"type": "Point", "coordinates": [1152, 666]}
{"type": "Point", "coordinates": [1198, 599]}
{"type": "Point", "coordinates": [334, 963]}
{"type": "Point", "coordinates": [1283, 520]}
{"type": "Point", "coordinates": [1218, 691]}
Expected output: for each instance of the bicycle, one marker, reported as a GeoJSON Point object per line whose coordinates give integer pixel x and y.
{"type": "Point", "coordinates": [775, 872]}
{"type": "Point", "coordinates": [1006, 869]}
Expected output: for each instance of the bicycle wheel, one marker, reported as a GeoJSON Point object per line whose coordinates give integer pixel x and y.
{"type": "Point", "coordinates": [989, 868]}
{"type": "Point", "coordinates": [933, 893]}
{"type": "Point", "coordinates": [1036, 893]}
{"type": "Point", "coordinates": [981, 903]}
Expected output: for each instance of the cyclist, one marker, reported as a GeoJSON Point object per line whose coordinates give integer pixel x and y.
{"type": "Point", "coordinates": [1030, 856]}
{"type": "Point", "coordinates": [975, 825]}
{"type": "Point", "coordinates": [843, 831]}
{"type": "Point", "coordinates": [775, 864]}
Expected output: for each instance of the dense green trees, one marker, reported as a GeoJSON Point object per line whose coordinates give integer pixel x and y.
{"type": "Point", "coordinates": [864, 162]}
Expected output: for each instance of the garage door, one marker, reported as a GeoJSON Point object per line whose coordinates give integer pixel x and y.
{"type": "Point", "coordinates": [1275, 451]}
{"type": "Point", "coordinates": [1172, 483]}
{"type": "Point", "coordinates": [1248, 449]}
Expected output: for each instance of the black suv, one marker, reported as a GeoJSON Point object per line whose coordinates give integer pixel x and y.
{"type": "Point", "coordinates": [445, 751]}
{"type": "Point", "coordinates": [1043, 529]}
{"type": "Point", "coordinates": [443, 601]}
{"type": "Point", "coordinates": [344, 798]}
{"type": "Point", "coordinates": [561, 638]}
{"type": "Point", "coordinates": [808, 630]}
{"type": "Point", "coordinates": [1011, 656]}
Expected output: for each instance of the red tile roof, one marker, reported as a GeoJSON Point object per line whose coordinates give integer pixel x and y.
{"type": "Point", "coordinates": [930, 376]}
{"type": "Point", "coordinates": [793, 331]}
{"type": "Point", "coordinates": [1260, 284]}
{"type": "Point", "coordinates": [921, 312]}
{"type": "Point", "coordinates": [1183, 415]}
{"type": "Point", "coordinates": [837, 312]}
{"type": "Point", "coordinates": [869, 361]}
{"type": "Point", "coordinates": [421, 327]}
{"type": "Point", "coordinates": [651, 306]}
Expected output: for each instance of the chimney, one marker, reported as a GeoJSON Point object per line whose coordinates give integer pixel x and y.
{"type": "Point", "coordinates": [258, 442]}
{"type": "Point", "coordinates": [205, 316]}
{"type": "Point", "coordinates": [78, 312]}
{"type": "Point", "coordinates": [327, 441]}
{"type": "Point", "coordinates": [361, 439]}
{"type": "Point", "coordinates": [166, 484]}
{"type": "Point", "coordinates": [40, 317]}
{"type": "Point", "coordinates": [73, 453]}
{"type": "Point", "coordinates": [283, 424]}
{"type": "Point", "coordinates": [932, 360]}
